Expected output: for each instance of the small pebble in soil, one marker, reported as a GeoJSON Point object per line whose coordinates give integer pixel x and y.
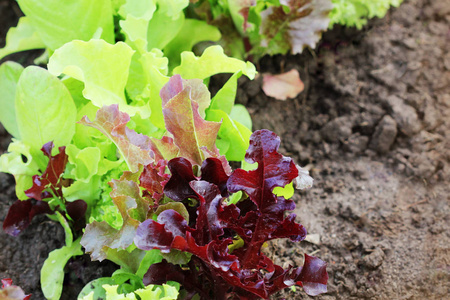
{"type": "Point", "coordinates": [374, 259]}
{"type": "Point", "coordinates": [384, 135]}
{"type": "Point", "coordinates": [405, 115]}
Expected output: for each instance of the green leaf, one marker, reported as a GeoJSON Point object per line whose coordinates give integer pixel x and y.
{"type": "Point", "coordinates": [151, 257]}
{"type": "Point", "coordinates": [102, 67]}
{"type": "Point", "coordinates": [59, 22]}
{"type": "Point", "coordinates": [236, 134]}
{"type": "Point", "coordinates": [136, 15]}
{"type": "Point", "coordinates": [85, 162]}
{"type": "Point", "coordinates": [287, 191]}
{"type": "Point", "coordinates": [21, 38]}
{"type": "Point", "coordinates": [95, 287]}
{"type": "Point", "coordinates": [225, 97]}
{"type": "Point", "coordinates": [45, 110]}
{"type": "Point", "coordinates": [162, 29]}
{"type": "Point", "coordinates": [212, 61]}
{"type": "Point", "coordinates": [23, 172]}
{"type": "Point", "coordinates": [192, 32]}
{"type": "Point", "coordinates": [240, 114]}
{"type": "Point", "coordinates": [52, 272]}
{"type": "Point", "coordinates": [65, 224]}
{"type": "Point", "coordinates": [9, 76]}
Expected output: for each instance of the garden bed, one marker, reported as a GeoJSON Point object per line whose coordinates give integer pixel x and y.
{"type": "Point", "coordinates": [372, 126]}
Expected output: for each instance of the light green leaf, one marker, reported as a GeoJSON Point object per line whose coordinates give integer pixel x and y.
{"type": "Point", "coordinates": [136, 15]}
{"type": "Point", "coordinates": [155, 68]}
{"type": "Point", "coordinates": [172, 8]}
{"type": "Point", "coordinates": [21, 38]}
{"type": "Point", "coordinates": [9, 76]}
{"type": "Point", "coordinates": [65, 224]}
{"type": "Point", "coordinates": [85, 162]}
{"type": "Point", "coordinates": [52, 272]}
{"type": "Point", "coordinates": [224, 99]}
{"type": "Point", "coordinates": [240, 113]}
{"type": "Point", "coordinates": [192, 32]}
{"type": "Point", "coordinates": [44, 109]}
{"type": "Point", "coordinates": [151, 257]}
{"type": "Point", "coordinates": [59, 22]}
{"type": "Point", "coordinates": [13, 163]}
{"type": "Point", "coordinates": [211, 62]}
{"type": "Point", "coordinates": [102, 67]}
{"type": "Point", "coordinates": [96, 288]}
{"type": "Point", "coordinates": [287, 191]}
{"type": "Point", "coordinates": [162, 29]}
{"type": "Point", "coordinates": [232, 131]}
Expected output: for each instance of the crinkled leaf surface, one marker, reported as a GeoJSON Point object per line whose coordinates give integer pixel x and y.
{"type": "Point", "coordinates": [302, 26]}
{"type": "Point", "coordinates": [100, 236]}
{"type": "Point", "coordinates": [59, 22]}
{"type": "Point", "coordinates": [134, 147]}
{"type": "Point", "coordinates": [211, 62]}
{"type": "Point", "coordinates": [51, 179]}
{"type": "Point", "coordinates": [9, 76]}
{"type": "Point", "coordinates": [183, 121]}
{"type": "Point", "coordinates": [20, 214]}
{"type": "Point", "coordinates": [209, 233]}
{"type": "Point", "coordinates": [102, 67]}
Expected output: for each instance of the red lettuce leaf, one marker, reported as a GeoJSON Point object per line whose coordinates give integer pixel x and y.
{"type": "Point", "coordinates": [51, 178]}
{"type": "Point", "coordinates": [268, 221]}
{"type": "Point", "coordinates": [12, 292]}
{"type": "Point", "coordinates": [21, 213]}
{"type": "Point", "coordinates": [153, 179]}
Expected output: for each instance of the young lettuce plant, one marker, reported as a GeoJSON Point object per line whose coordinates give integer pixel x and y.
{"type": "Point", "coordinates": [75, 180]}
{"type": "Point", "coordinates": [254, 28]}
{"type": "Point", "coordinates": [357, 12]}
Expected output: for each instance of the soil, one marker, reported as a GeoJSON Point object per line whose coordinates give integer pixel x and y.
{"type": "Point", "coordinates": [373, 128]}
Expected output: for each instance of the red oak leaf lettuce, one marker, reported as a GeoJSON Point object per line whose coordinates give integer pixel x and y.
{"type": "Point", "coordinates": [221, 273]}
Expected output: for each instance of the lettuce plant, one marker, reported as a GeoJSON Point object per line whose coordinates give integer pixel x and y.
{"type": "Point", "coordinates": [357, 12]}
{"type": "Point", "coordinates": [253, 28]}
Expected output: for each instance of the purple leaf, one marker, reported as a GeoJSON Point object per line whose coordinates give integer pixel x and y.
{"type": "Point", "coordinates": [21, 213]}
{"type": "Point", "coordinates": [51, 178]}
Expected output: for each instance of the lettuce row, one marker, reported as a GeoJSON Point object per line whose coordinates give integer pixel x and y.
{"type": "Point", "coordinates": [357, 12]}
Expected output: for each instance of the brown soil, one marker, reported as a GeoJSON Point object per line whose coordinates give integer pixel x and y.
{"type": "Point", "coordinates": [373, 128]}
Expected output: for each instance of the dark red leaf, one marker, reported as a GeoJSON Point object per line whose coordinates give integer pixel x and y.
{"type": "Point", "coordinates": [76, 209]}
{"type": "Point", "coordinates": [51, 178]}
{"type": "Point", "coordinates": [21, 213]}
{"type": "Point", "coordinates": [213, 172]}
{"type": "Point", "coordinates": [178, 188]}
{"type": "Point", "coordinates": [153, 179]}
{"type": "Point", "coordinates": [313, 276]}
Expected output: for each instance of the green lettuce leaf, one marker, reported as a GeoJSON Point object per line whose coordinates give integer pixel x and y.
{"type": "Point", "coordinates": [45, 110]}
{"type": "Point", "coordinates": [21, 38]}
{"type": "Point", "coordinates": [212, 61]}
{"type": "Point", "coordinates": [23, 172]}
{"type": "Point", "coordinates": [9, 76]}
{"type": "Point", "coordinates": [102, 67]}
{"type": "Point", "coordinates": [52, 272]}
{"type": "Point", "coordinates": [59, 22]}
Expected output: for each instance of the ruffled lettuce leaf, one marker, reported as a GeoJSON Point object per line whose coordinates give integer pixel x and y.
{"type": "Point", "coordinates": [20, 38]}
{"type": "Point", "coordinates": [59, 22]}
{"type": "Point", "coordinates": [291, 26]}
{"type": "Point", "coordinates": [212, 227]}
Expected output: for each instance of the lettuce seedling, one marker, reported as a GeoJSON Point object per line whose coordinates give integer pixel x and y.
{"type": "Point", "coordinates": [12, 292]}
